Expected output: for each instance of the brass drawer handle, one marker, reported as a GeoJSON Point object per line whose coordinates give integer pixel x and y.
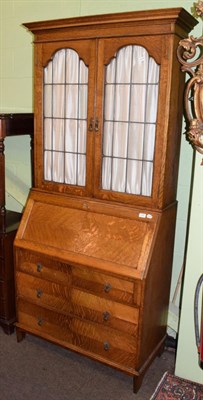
{"type": "Point", "coordinates": [107, 287]}
{"type": "Point", "coordinates": [106, 346]}
{"type": "Point", "coordinates": [39, 293]}
{"type": "Point", "coordinates": [39, 267]}
{"type": "Point", "coordinates": [106, 315]}
{"type": "Point", "coordinates": [91, 125]}
{"type": "Point", "coordinates": [40, 321]}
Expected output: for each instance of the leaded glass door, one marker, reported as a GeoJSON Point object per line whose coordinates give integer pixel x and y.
{"type": "Point", "coordinates": [128, 118]}
{"type": "Point", "coordinates": [68, 76]}
{"type": "Point", "coordinates": [65, 118]}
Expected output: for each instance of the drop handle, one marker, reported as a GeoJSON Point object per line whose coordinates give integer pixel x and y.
{"type": "Point", "coordinates": [39, 267]}
{"type": "Point", "coordinates": [39, 293]}
{"type": "Point", "coordinates": [97, 125]}
{"type": "Point", "coordinates": [106, 346]}
{"type": "Point", "coordinates": [106, 315]}
{"type": "Point", "coordinates": [91, 125]}
{"type": "Point", "coordinates": [107, 287]}
{"type": "Point", "coordinates": [40, 321]}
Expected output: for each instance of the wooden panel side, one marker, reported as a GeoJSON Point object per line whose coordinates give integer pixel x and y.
{"type": "Point", "coordinates": [174, 128]}
{"type": "Point", "coordinates": [156, 289]}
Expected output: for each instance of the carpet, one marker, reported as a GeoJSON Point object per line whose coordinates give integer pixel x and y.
{"type": "Point", "coordinates": [172, 387]}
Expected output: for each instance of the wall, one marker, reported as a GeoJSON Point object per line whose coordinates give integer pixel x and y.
{"type": "Point", "coordinates": [187, 356]}
{"type": "Point", "coordinates": [16, 95]}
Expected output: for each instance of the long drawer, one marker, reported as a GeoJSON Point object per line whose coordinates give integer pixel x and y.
{"type": "Point", "coordinates": [103, 343]}
{"type": "Point", "coordinates": [71, 300]}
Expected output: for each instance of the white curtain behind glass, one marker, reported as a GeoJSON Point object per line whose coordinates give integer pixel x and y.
{"type": "Point", "coordinates": [130, 112]}
{"type": "Point", "coordinates": [65, 118]}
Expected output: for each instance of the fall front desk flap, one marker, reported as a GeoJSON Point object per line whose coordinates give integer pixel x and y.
{"type": "Point", "coordinates": [86, 232]}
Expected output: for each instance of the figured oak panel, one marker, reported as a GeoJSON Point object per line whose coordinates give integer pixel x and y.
{"type": "Point", "coordinates": [71, 332]}
{"type": "Point", "coordinates": [43, 267]}
{"type": "Point", "coordinates": [108, 286]}
{"type": "Point", "coordinates": [109, 313]}
{"type": "Point", "coordinates": [76, 302]}
{"type": "Point", "coordinates": [43, 292]}
{"type": "Point", "coordinates": [94, 235]}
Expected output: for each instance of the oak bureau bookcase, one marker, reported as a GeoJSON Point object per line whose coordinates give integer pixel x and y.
{"type": "Point", "coordinates": [94, 249]}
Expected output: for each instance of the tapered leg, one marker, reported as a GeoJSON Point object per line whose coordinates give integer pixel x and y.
{"type": "Point", "coordinates": [137, 382]}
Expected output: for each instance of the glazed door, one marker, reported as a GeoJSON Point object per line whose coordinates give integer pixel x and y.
{"type": "Point", "coordinates": [64, 105]}
{"type": "Point", "coordinates": [100, 109]}
{"type": "Point", "coordinates": [128, 100]}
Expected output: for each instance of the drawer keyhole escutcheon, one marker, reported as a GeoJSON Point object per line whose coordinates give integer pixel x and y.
{"type": "Point", "coordinates": [106, 315]}
{"type": "Point", "coordinates": [107, 287]}
{"type": "Point", "coordinates": [106, 346]}
{"type": "Point", "coordinates": [39, 293]}
{"type": "Point", "coordinates": [39, 267]}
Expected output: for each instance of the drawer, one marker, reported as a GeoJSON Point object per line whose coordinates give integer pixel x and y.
{"type": "Point", "coordinates": [104, 285]}
{"type": "Point", "coordinates": [101, 284]}
{"type": "Point", "coordinates": [104, 344]}
{"type": "Point", "coordinates": [45, 293]}
{"type": "Point", "coordinates": [43, 267]}
{"type": "Point", "coordinates": [77, 302]}
{"type": "Point", "coordinates": [104, 311]}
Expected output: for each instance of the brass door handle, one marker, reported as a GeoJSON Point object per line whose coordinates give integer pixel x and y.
{"type": "Point", "coordinates": [97, 125]}
{"type": "Point", "coordinates": [91, 125]}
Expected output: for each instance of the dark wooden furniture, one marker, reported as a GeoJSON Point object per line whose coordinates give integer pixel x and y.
{"type": "Point", "coordinates": [10, 125]}
{"type": "Point", "coordinates": [95, 245]}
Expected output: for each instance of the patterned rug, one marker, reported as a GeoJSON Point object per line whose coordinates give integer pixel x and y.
{"type": "Point", "coordinates": [171, 387]}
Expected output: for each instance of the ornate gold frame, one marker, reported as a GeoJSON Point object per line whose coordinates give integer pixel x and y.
{"type": "Point", "coordinates": [187, 50]}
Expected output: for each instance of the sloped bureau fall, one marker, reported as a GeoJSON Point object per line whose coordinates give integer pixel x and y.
{"type": "Point", "coordinates": [94, 249]}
